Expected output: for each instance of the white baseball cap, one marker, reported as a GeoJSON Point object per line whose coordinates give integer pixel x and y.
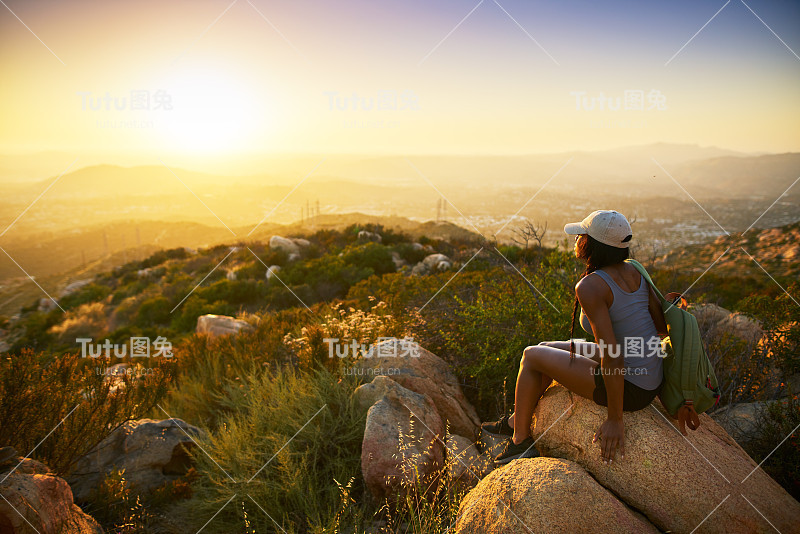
{"type": "Point", "coordinates": [607, 226]}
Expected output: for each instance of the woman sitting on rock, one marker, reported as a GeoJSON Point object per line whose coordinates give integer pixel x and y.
{"type": "Point", "coordinates": [623, 313]}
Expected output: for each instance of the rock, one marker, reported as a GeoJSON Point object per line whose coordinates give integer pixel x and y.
{"type": "Point", "coordinates": [464, 463]}
{"type": "Point", "coordinates": [282, 243]}
{"type": "Point", "coordinates": [709, 314]}
{"type": "Point", "coordinates": [290, 245]}
{"type": "Point", "coordinates": [419, 269]}
{"type": "Point", "coordinates": [364, 235]}
{"type": "Point", "coordinates": [368, 394]}
{"type": "Point", "coordinates": [151, 452]}
{"type": "Point", "coordinates": [544, 495]}
{"type": "Point", "coordinates": [715, 320]}
{"type": "Point", "coordinates": [434, 262]}
{"type": "Point", "coordinates": [402, 442]}
{"type": "Point", "coordinates": [46, 305]}
{"type": "Point", "coordinates": [220, 325]}
{"type": "Point", "coordinates": [398, 261]}
{"type": "Point", "coordinates": [75, 286]}
{"type": "Point", "coordinates": [490, 444]}
{"type": "Point", "coordinates": [272, 270]}
{"type": "Point", "coordinates": [675, 481]}
{"type": "Point", "coordinates": [427, 374]}
{"type": "Point", "coordinates": [37, 501]}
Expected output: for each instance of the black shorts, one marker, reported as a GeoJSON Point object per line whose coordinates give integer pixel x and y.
{"type": "Point", "coordinates": [633, 397]}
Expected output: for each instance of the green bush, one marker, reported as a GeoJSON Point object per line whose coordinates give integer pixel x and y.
{"type": "Point", "coordinates": [372, 256]}
{"type": "Point", "coordinates": [88, 293]}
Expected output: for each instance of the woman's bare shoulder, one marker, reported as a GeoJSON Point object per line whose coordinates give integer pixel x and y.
{"type": "Point", "coordinates": [590, 286]}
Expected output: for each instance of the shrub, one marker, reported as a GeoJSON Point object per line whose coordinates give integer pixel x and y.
{"type": "Point", "coordinates": [372, 256]}
{"type": "Point", "coordinates": [69, 396]}
{"type": "Point", "coordinates": [778, 421]}
{"type": "Point", "coordinates": [289, 438]}
{"type": "Point", "coordinates": [88, 293]}
{"type": "Point", "coordinates": [88, 320]}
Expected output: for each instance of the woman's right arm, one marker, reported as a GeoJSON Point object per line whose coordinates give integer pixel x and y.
{"type": "Point", "coordinates": [657, 313]}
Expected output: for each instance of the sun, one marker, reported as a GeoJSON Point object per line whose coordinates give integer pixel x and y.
{"type": "Point", "coordinates": [211, 112]}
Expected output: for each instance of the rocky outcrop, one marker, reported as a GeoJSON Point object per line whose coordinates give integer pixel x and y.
{"type": "Point", "coordinates": [402, 439]}
{"type": "Point", "coordinates": [412, 400]}
{"type": "Point", "coordinates": [431, 264]}
{"type": "Point", "coordinates": [715, 320]}
{"type": "Point", "coordinates": [220, 325]}
{"type": "Point", "coordinates": [675, 481]}
{"type": "Point", "coordinates": [36, 501]}
{"type": "Point", "coordinates": [544, 495]}
{"type": "Point", "coordinates": [151, 452]}
{"type": "Point", "coordinates": [419, 370]}
{"type": "Point", "coordinates": [290, 245]}
{"type": "Point", "coordinates": [272, 271]}
{"type": "Point", "coordinates": [364, 235]}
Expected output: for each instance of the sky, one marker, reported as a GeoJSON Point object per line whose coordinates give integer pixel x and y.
{"type": "Point", "coordinates": [185, 79]}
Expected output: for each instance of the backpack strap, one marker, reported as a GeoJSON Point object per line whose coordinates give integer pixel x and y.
{"type": "Point", "coordinates": [639, 267]}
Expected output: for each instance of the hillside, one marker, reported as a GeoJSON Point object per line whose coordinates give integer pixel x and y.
{"type": "Point", "coordinates": [314, 435]}
{"type": "Point", "coordinates": [777, 250]}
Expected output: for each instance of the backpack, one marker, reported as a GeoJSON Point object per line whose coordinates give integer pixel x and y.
{"type": "Point", "coordinates": [690, 386]}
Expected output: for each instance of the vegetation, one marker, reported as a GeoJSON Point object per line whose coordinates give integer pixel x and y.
{"type": "Point", "coordinates": [254, 393]}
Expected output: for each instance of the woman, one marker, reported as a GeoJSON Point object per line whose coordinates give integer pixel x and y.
{"type": "Point", "coordinates": [623, 313]}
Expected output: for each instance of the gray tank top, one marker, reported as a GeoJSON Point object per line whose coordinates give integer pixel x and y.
{"type": "Point", "coordinates": [635, 332]}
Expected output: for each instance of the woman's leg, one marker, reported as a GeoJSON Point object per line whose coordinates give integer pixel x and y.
{"type": "Point", "coordinates": [587, 349]}
{"type": "Point", "coordinates": [538, 361]}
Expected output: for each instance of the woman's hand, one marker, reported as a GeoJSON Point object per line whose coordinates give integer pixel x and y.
{"type": "Point", "coordinates": [612, 436]}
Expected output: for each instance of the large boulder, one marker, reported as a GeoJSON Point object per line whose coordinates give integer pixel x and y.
{"type": "Point", "coordinates": [402, 443]}
{"type": "Point", "coordinates": [419, 370]}
{"type": "Point", "coordinates": [718, 321]}
{"type": "Point", "coordinates": [220, 325]}
{"type": "Point", "coordinates": [151, 452]}
{"type": "Point", "coordinates": [284, 243]}
{"type": "Point", "coordinates": [290, 245]}
{"type": "Point", "coordinates": [544, 495]}
{"type": "Point", "coordinates": [437, 262]}
{"type": "Point", "coordinates": [676, 481]}
{"type": "Point", "coordinates": [36, 501]}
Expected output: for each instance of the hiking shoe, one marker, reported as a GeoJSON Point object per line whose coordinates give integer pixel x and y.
{"type": "Point", "coordinates": [498, 427]}
{"type": "Point", "coordinates": [512, 451]}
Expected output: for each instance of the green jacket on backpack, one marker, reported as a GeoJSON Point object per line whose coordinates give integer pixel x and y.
{"type": "Point", "coordinates": [690, 386]}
